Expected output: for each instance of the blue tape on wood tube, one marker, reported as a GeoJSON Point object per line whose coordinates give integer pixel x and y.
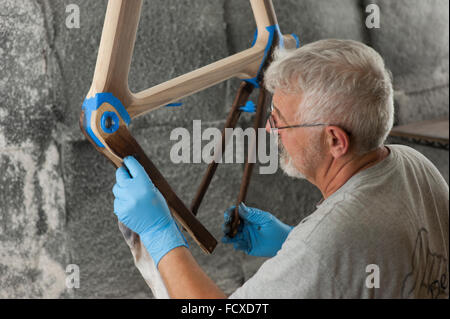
{"type": "Point", "coordinates": [92, 104]}
{"type": "Point", "coordinates": [272, 30]}
{"type": "Point", "coordinates": [297, 40]}
{"type": "Point", "coordinates": [255, 36]}
{"type": "Point", "coordinates": [109, 122]}
{"type": "Point", "coordinates": [249, 107]}
{"type": "Point", "coordinates": [174, 104]}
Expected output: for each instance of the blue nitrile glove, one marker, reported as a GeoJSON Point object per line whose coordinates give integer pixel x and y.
{"type": "Point", "coordinates": [141, 207]}
{"type": "Point", "coordinates": [259, 233]}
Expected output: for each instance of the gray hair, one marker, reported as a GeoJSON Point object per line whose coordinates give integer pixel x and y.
{"type": "Point", "coordinates": [343, 82]}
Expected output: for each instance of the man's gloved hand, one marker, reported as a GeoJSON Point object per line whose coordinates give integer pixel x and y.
{"type": "Point", "coordinates": [141, 207]}
{"type": "Point", "coordinates": [259, 233]}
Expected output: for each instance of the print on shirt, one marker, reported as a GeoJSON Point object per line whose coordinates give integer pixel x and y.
{"type": "Point", "coordinates": [429, 274]}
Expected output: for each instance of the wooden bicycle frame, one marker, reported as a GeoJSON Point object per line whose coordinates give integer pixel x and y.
{"type": "Point", "coordinates": [111, 76]}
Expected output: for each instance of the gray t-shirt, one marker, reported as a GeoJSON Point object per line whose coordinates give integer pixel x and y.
{"type": "Point", "coordinates": [386, 227]}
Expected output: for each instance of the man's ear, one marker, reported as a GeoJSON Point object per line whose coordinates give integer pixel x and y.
{"type": "Point", "coordinates": [337, 140]}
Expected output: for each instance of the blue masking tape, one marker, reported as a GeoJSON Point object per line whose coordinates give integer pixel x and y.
{"type": "Point", "coordinates": [92, 104]}
{"type": "Point", "coordinates": [174, 104]}
{"type": "Point", "coordinates": [255, 36]}
{"type": "Point", "coordinates": [272, 30]}
{"type": "Point", "coordinates": [113, 124]}
{"type": "Point", "coordinates": [249, 107]}
{"type": "Point", "coordinates": [297, 40]}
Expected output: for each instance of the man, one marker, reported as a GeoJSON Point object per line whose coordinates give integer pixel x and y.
{"type": "Point", "coordinates": [381, 229]}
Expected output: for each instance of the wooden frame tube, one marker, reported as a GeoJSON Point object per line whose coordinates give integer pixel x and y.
{"type": "Point", "coordinates": [241, 98]}
{"type": "Point", "coordinates": [116, 49]}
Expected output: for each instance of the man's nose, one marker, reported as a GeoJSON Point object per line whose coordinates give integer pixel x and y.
{"type": "Point", "coordinates": [268, 128]}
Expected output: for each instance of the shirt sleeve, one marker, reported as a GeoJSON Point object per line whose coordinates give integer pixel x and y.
{"type": "Point", "coordinates": [295, 272]}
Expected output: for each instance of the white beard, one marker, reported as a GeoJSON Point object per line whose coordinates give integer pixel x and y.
{"type": "Point", "coordinates": [286, 163]}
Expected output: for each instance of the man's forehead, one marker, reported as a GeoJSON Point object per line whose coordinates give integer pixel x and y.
{"type": "Point", "coordinates": [286, 101]}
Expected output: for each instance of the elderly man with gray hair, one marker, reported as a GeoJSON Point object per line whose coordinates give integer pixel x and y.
{"type": "Point", "coordinates": [381, 229]}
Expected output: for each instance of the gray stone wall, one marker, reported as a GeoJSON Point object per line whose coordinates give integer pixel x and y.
{"type": "Point", "coordinates": [56, 204]}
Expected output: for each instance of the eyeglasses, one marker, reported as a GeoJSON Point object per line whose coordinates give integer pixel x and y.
{"type": "Point", "coordinates": [274, 129]}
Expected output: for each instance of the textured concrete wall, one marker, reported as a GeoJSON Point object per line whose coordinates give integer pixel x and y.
{"type": "Point", "coordinates": [55, 190]}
